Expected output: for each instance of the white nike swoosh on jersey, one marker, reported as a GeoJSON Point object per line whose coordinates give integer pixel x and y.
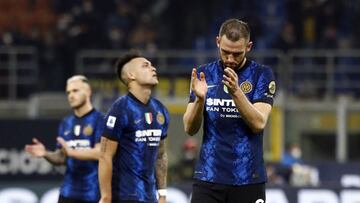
{"type": "Point", "coordinates": [210, 86]}
{"type": "Point", "coordinates": [137, 121]}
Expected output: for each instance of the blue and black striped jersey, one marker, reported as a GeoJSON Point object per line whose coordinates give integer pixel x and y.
{"type": "Point", "coordinates": [138, 128]}
{"type": "Point", "coordinates": [81, 177]}
{"type": "Point", "coordinates": [231, 153]}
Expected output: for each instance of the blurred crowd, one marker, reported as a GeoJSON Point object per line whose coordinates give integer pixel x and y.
{"type": "Point", "coordinates": [59, 28]}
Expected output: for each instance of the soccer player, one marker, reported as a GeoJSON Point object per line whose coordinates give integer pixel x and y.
{"type": "Point", "coordinates": [133, 160]}
{"type": "Point", "coordinates": [234, 97]}
{"type": "Point", "coordinates": [78, 145]}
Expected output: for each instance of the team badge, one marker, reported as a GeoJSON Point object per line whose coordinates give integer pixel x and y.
{"type": "Point", "coordinates": [88, 130]}
{"type": "Point", "coordinates": [246, 87]}
{"type": "Point", "coordinates": [226, 89]}
{"type": "Point", "coordinates": [160, 118]}
{"type": "Point", "coordinates": [148, 118]}
{"type": "Point", "coordinates": [272, 87]}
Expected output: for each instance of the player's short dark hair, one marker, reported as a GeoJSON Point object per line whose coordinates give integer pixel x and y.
{"type": "Point", "coordinates": [235, 29]}
{"type": "Point", "coordinates": [124, 59]}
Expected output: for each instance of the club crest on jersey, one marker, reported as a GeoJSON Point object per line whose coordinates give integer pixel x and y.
{"type": "Point", "coordinates": [272, 87]}
{"type": "Point", "coordinates": [148, 118]}
{"type": "Point", "coordinates": [246, 87]}
{"type": "Point", "coordinates": [88, 130]}
{"type": "Point", "coordinates": [160, 118]}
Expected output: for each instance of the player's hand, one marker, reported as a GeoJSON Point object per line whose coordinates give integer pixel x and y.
{"type": "Point", "coordinates": [230, 79]}
{"type": "Point", "coordinates": [36, 149]}
{"type": "Point", "coordinates": [198, 86]}
{"type": "Point", "coordinates": [66, 149]}
{"type": "Point", "coordinates": [162, 199]}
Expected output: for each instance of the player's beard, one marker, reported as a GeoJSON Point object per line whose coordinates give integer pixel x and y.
{"type": "Point", "coordinates": [234, 66]}
{"type": "Point", "coordinates": [80, 105]}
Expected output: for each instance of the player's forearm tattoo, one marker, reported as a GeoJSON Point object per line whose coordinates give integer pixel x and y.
{"type": "Point", "coordinates": [161, 167]}
{"type": "Point", "coordinates": [103, 144]}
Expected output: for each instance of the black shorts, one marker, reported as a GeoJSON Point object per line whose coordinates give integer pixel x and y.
{"type": "Point", "coordinates": [219, 193]}
{"type": "Point", "coordinates": [63, 199]}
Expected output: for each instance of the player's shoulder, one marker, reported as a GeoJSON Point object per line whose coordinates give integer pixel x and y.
{"type": "Point", "coordinates": [119, 104]}
{"type": "Point", "coordinates": [99, 113]}
{"type": "Point", "coordinates": [209, 66]}
{"type": "Point", "coordinates": [259, 67]}
{"type": "Point", "coordinates": [121, 100]}
{"type": "Point", "coordinates": [68, 118]}
{"type": "Point", "coordinates": [157, 102]}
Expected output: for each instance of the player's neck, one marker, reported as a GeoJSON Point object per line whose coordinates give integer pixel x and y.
{"type": "Point", "coordinates": [141, 93]}
{"type": "Point", "coordinates": [242, 63]}
{"type": "Point", "coordinates": [81, 111]}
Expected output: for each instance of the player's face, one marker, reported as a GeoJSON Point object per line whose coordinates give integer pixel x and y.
{"type": "Point", "coordinates": [77, 93]}
{"type": "Point", "coordinates": [232, 54]}
{"type": "Point", "coordinates": [145, 72]}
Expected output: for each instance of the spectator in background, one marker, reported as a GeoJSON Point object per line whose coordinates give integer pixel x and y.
{"type": "Point", "coordinates": [188, 159]}
{"type": "Point", "coordinates": [287, 38]}
{"type": "Point", "coordinates": [78, 145]}
{"type": "Point", "coordinates": [292, 155]}
{"type": "Point", "coordinates": [295, 171]}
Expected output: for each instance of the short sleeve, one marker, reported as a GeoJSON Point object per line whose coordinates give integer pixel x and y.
{"type": "Point", "coordinates": [265, 87]}
{"type": "Point", "coordinates": [99, 127]}
{"type": "Point", "coordinates": [60, 133]}
{"type": "Point", "coordinates": [114, 122]}
{"type": "Point", "coordinates": [166, 124]}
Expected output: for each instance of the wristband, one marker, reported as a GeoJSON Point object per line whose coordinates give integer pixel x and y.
{"type": "Point", "coordinates": [162, 192]}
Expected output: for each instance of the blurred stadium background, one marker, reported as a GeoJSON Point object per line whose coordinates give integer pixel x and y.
{"type": "Point", "coordinates": [312, 46]}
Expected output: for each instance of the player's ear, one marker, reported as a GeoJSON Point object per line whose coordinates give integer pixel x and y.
{"type": "Point", "coordinates": [130, 75]}
{"type": "Point", "coordinates": [249, 46]}
{"type": "Point", "coordinates": [218, 41]}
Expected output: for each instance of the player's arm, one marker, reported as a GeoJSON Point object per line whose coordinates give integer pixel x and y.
{"type": "Point", "coordinates": [37, 149]}
{"type": "Point", "coordinates": [255, 115]}
{"type": "Point", "coordinates": [107, 151]}
{"type": "Point", "coordinates": [83, 154]}
{"type": "Point", "coordinates": [194, 111]}
{"type": "Point", "coordinates": [193, 116]}
{"type": "Point", "coordinates": [161, 171]}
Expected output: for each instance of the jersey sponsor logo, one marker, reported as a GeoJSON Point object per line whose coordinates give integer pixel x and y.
{"type": "Point", "coordinates": [111, 122]}
{"type": "Point", "coordinates": [152, 136]}
{"type": "Point", "coordinates": [77, 129]}
{"type": "Point", "coordinates": [246, 87]}
{"type": "Point", "coordinates": [226, 106]}
{"type": "Point", "coordinates": [79, 144]}
{"type": "Point", "coordinates": [148, 118]}
{"type": "Point", "coordinates": [160, 118]}
{"type": "Point", "coordinates": [88, 130]}
{"type": "Point", "coordinates": [272, 87]}
{"type": "Point", "coordinates": [220, 102]}
{"type": "Point", "coordinates": [148, 133]}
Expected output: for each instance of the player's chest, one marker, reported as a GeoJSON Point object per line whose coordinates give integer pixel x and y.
{"type": "Point", "coordinates": [77, 130]}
